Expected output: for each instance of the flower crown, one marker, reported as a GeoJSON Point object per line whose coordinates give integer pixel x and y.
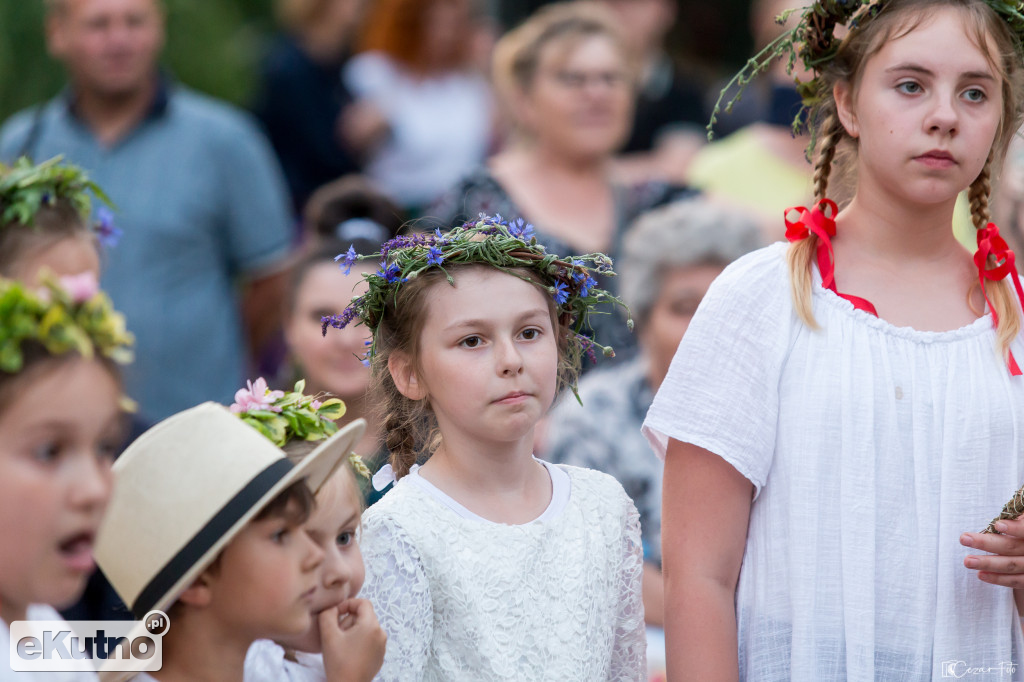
{"type": "Point", "coordinates": [490, 241]}
{"type": "Point", "coordinates": [26, 187]}
{"type": "Point", "coordinates": [65, 317]}
{"type": "Point", "coordinates": [813, 41]}
{"type": "Point", "coordinates": [284, 417]}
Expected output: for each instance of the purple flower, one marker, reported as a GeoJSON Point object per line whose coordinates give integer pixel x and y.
{"type": "Point", "coordinates": [350, 257]}
{"type": "Point", "coordinates": [256, 397]}
{"type": "Point", "coordinates": [578, 274]}
{"type": "Point", "coordinates": [521, 231]}
{"type": "Point", "coordinates": [339, 321]}
{"type": "Point", "coordinates": [588, 348]}
{"type": "Point", "coordinates": [108, 233]}
{"type": "Point", "coordinates": [439, 237]}
{"type": "Point", "coordinates": [434, 256]}
{"type": "Point", "coordinates": [561, 293]}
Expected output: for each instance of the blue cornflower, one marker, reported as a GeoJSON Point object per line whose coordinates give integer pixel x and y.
{"type": "Point", "coordinates": [561, 293]}
{"type": "Point", "coordinates": [350, 257]}
{"type": "Point", "coordinates": [434, 256]}
{"type": "Point", "coordinates": [440, 236]}
{"type": "Point", "coordinates": [585, 289]}
{"type": "Point", "coordinates": [521, 231]}
{"type": "Point", "coordinates": [391, 273]}
{"type": "Point", "coordinates": [108, 233]}
{"type": "Point", "coordinates": [577, 273]}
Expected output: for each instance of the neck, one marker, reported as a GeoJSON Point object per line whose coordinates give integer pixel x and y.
{"type": "Point", "coordinates": [323, 45]}
{"type": "Point", "coordinates": [484, 467]}
{"type": "Point", "coordinates": [111, 117]}
{"type": "Point", "coordinates": [546, 159]}
{"type": "Point", "coordinates": [199, 649]}
{"type": "Point", "coordinates": [11, 610]}
{"type": "Point", "coordinates": [896, 231]}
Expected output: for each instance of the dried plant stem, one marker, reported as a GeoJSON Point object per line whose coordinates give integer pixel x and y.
{"type": "Point", "coordinates": [1011, 511]}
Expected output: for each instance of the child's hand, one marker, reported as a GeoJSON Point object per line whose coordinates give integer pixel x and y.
{"type": "Point", "coordinates": [352, 640]}
{"type": "Point", "coordinates": [1005, 565]}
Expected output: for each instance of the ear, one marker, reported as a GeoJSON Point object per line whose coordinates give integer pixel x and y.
{"type": "Point", "coordinates": [403, 373]}
{"type": "Point", "coordinates": [198, 594]}
{"type": "Point", "coordinates": [843, 94]}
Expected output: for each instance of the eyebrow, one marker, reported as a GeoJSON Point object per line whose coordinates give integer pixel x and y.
{"type": "Point", "coordinates": [528, 315]}
{"type": "Point", "coordinates": [350, 521]}
{"type": "Point", "coordinates": [917, 68]}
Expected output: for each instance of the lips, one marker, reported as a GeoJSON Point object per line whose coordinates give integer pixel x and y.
{"type": "Point", "coordinates": [76, 551]}
{"type": "Point", "coordinates": [512, 398]}
{"type": "Point", "coordinates": [936, 158]}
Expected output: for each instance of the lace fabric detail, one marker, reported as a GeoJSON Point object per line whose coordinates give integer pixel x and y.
{"type": "Point", "coordinates": [465, 599]}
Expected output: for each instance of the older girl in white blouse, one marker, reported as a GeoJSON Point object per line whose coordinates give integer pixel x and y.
{"type": "Point", "coordinates": [842, 413]}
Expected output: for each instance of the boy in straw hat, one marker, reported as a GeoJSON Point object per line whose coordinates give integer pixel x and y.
{"type": "Point", "coordinates": [206, 524]}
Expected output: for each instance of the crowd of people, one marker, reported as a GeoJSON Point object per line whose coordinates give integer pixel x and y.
{"type": "Point", "coordinates": [464, 355]}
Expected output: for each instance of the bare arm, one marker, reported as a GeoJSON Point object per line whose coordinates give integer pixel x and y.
{"type": "Point", "coordinates": [654, 595]}
{"type": "Point", "coordinates": [706, 508]}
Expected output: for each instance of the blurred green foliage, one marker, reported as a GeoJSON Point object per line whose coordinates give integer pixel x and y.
{"type": "Point", "coordinates": [212, 45]}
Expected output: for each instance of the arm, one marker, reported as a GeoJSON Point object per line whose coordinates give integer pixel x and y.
{"type": "Point", "coordinates": [654, 595]}
{"type": "Point", "coordinates": [397, 586]}
{"type": "Point", "coordinates": [706, 507]}
{"type": "Point", "coordinates": [629, 654]}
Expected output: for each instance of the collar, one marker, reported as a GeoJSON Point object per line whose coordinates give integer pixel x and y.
{"type": "Point", "coordinates": [157, 106]}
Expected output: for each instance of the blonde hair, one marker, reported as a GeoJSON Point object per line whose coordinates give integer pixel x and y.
{"type": "Point", "coordinates": [837, 148]}
{"type": "Point", "coordinates": [517, 54]}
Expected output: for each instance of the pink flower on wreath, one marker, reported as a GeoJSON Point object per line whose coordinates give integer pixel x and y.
{"type": "Point", "coordinates": [256, 397]}
{"type": "Point", "coordinates": [80, 287]}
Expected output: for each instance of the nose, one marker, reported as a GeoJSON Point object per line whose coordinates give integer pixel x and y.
{"type": "Point", "coordinates": [314, 555]}
{"type": "Point", "coordinates": [91, 483]}
{"type": "Point", "coordinates": [509, 358]}
{"type": "Point", "coordinates": [335, 570]}
{"type": "Point", "coordinates": [943, 117]}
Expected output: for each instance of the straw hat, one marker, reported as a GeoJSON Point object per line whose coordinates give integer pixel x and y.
{"type": "Point", "coordinates": [185, 488]}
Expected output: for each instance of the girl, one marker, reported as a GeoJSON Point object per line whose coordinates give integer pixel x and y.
{"type": "Point", "coordinates": [45, 221]}
{"type": "Point", "coordinates": [840, 415]}
{"type": "Point", "coordinates": [487, 563]}
{"type": "Point", "coordinates": [345, 643]}
{"type": "Point", "coordinates": [56, 351]}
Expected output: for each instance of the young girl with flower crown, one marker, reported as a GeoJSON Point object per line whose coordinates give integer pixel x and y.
{"type": "Point", "coordinates": [61, 422]}
{"type": "Point", "coordinates": [45, 221]}
{"type": "Point", "coordinates": [486, 563]}
{"type": "Point", "coordinates": [844, 414]}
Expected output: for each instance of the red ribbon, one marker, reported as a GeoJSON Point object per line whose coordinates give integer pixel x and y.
{"type": "Point", "coordinates": [816, 222]}
{"type": "Point", "coordinates": [991, 245]}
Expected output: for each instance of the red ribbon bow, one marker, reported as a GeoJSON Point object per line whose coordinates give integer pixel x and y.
{"type": "Point", "coordinates": [816, 222]}
{"type": "Point", "coordinates": [991, 245]}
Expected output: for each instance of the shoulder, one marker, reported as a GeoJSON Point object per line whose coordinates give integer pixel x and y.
{"type": "Point", "coordinates": [590, 486]}
{"type": "Point", "coordinates": [402, 504]}
{"type": "Point", "coordinates": [15, 130]}
{"type": "Point", "coordinates": [209, 117]}
{"type": "Point", "coordinates": [759, 278]}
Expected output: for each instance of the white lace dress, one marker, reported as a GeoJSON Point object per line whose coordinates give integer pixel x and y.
{"type": "Point", "coordinates": [462, 598]}
{"type": "Point", "coordinates": [871, 448]}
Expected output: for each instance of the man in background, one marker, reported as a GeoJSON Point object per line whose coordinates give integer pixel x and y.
{"type": "Point", "coordinates": [200, 200]}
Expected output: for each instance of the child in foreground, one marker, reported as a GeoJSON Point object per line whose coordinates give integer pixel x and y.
{"type": "Point", "coordinates": [206, 524]}
{"type": "Point", "coordinates": [61, 423]}
{"type": "Point", "coordinates": [486, 563]}
{"type": "Point", "coordinates": [842, 416]}
{"type": "Point", "coordinates": [345, 643]}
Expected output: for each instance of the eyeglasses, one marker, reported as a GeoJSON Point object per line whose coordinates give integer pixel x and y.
{"type": "Point", "coordinates": [578, 80]}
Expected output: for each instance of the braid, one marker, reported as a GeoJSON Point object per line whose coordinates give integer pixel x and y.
{"type": "Point", "coordinates": [1003, 299]}
{"type": "Point", "coordinates": [832, 134]}
{"type": "Point", "coordinates": [978, 194]}
{"type": "Point", "coordinates": [801, 253]}
{"type": "Point", "coordinates": [400, 436]}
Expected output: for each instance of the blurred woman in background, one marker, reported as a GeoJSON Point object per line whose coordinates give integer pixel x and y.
{"type": "Point", "coordinates": [424, 115]}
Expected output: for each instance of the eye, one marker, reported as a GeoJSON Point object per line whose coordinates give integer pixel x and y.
{"type": "Point", "coordinates": [345, 538]}
{"type": "Point", "coordinates": [47, 452]}
{"type": "Point", "coordinates": [471, 342]}
{"type": "Point", "coordinates": [909, 87]}
{"type": "Point", "coordinates": [975, 95]}
{"type": "Point", "coordinates": [281, 535]}
{"type": "Point", "coordinates": [531, 334]}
